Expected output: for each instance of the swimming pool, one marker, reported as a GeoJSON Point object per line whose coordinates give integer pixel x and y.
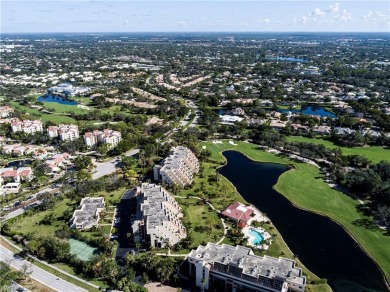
{"type": "Point", "coordinates": [258, 238]}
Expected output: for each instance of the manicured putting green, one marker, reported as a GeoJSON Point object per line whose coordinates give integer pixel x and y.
{"type": "Point", "coordinates": [82, 250]}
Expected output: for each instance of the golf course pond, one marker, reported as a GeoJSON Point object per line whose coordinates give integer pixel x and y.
{"type": "Point", "coordinates": [322, 245]}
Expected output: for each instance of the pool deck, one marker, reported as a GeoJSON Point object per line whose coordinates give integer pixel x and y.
{"type": "Point", "coordinates": [260, 217]}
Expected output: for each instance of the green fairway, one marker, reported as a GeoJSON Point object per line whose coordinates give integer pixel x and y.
{"type": "Point", "coordinates": [373, 153]}
{"type": "Point", "coordinates": [304, 187]}
{"type": "Point", "coordinates": [35, 113]}
{"type": "Point", "coordinates": [64, 108]}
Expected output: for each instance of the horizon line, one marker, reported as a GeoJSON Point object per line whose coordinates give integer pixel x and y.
{"type": "Point", "coordinates": [129, 32]}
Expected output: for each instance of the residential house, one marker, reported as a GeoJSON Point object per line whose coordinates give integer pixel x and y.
{"type": "Point", "coordinates": [6, 111]}
{"type": "Point", "coordinates": [16, 175]}
{"type": "Point", "coordinates": [58, 162]}
{"type": "Point", "coordinates": [230, 120]}
{"type": "Point", "coordinates": [322, 130]}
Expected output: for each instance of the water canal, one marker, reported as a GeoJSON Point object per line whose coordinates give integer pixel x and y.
{"type": "Point", "coordinates": [323, 246]}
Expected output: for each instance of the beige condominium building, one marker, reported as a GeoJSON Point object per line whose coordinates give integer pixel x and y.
{"type": "Point", "coordinates": [158, 217]}
{"type": "Point", "coordinates": [178, 168]}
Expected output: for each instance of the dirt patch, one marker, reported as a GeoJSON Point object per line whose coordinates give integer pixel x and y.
{"type": "Point", "coordinates": [158, 287]}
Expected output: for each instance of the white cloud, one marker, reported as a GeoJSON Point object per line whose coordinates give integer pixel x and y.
{"type": "Point", "coordinates": [334, 8]}
{"type": "Point", "coordinates": [126, 22]}
{"type": "Point", "coordinates": [345, 16]}
{"type": "Point", "coordinates": [303, 19]}
{"type": "Point", "coordinates": [376, 17]}
{"type": "Point", "coordinates": [318, 12]}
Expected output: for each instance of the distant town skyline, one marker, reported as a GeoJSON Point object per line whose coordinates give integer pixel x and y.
{"type": "Point", "coordinates": [194, 16]}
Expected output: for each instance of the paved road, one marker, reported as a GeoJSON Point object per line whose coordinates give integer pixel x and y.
{"type": "Point", "coordinates": [49, 189]}
{"type": "Point", "coordinates": [111, 166]}
{"type": "Point", "coordinates": [38, 274]}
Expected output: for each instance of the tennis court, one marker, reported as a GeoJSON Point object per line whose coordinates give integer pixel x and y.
{"type": "Point", "coordinates": [82, 250]}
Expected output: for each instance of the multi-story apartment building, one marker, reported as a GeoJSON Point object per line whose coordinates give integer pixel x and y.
{"type": "Point", "coordinates": [26, 126]}
{"type": "Point", "coordinates": [88, 215]}
{"type": "Point", "coordinates": [178, 168]}
{"type": "Point", "coordinates": [228, 268]}
{"type": "Point", "coordinates": [106, 136]}
{"type": "Point", "coordinates": [65, 132]}
{"type": "Point", "coordinates": [158, 217]}
{"type": "Point", "coordinates": [5, 111]}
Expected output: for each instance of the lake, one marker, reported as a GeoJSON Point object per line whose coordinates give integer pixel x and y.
{"type": "Point", "coordinates": [311, 110]}
{"type": "Point", "coordinates": [323, 246]}
{"type": "Point", "coordinates": [57, 99]}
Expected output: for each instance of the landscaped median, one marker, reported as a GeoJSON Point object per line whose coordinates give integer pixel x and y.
{"type": "Point", "coordinates": [296, 183]}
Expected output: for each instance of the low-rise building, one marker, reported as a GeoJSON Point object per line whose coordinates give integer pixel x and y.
{"type": "Point", "coordinates": [228, 268]}
{"type": "Point", "coordinates": [230, 120]}
{"type": "Point", "coordinates": [322, 130]}
{"type": "Point", "coordinates": [158, 217]}
{"type": "Point", "coordinates": [87, 216]}
{"type": "Point", "coordinates": [237, 212]}
{"type": "Point", "coordinates": [65, 132]}
{"type": "Point", "coordinates": [106, 136]}
{"type": "Point", "coordinates": [16, 175]}
{"type": "Point", "coordinates": [58, 162]}
{"type": "Point", "coordinates": [26, 126]}
{"type": "Point", "coordinates": [178, 168]}
{"type": "Point", "coordinates": [6, 111]}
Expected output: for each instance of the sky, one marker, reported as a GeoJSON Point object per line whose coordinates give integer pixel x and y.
{"type": "Point", "coordinates": [194, 16]}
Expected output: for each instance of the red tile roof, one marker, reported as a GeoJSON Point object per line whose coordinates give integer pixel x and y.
{"type": "Point", "coordinates": [238, 212]}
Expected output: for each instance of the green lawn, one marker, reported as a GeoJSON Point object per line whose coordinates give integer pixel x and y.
{"type": "Point", "coordinates": [220, 194]}
{"type": "Point", "coordinates": [304, 189]}
{"type": "Point", "coordinates": [373, 153]}
{"type": "Point", "coordinates": [198, 213]}
{"type": "Point", "coordinates": [31, 224]}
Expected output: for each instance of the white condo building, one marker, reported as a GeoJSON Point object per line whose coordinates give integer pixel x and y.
{"type": "Point", "coordinates": [178, 168]}
{"type": "Point", "coordinates": [158, 217]}
{"type": "Point", "coordinates": [235, 268]}
{"type": "Point", "coordinates": [104, 137]}
{"type": "Point", "coordinates": [26, 126]}
{"type": "Point", "coordinates": [65, 132]}
{"type": "Point", "coordinates": [87, 216]}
